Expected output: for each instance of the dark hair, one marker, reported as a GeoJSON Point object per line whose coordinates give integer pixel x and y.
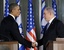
{"type": "Point", "coordinates": [11, 6]}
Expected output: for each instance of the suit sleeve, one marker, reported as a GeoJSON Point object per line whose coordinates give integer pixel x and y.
{"type": "Point", "coordinates": [40, 42]}
{"type": "Point", "coordinates": [60, 30]}
{"type": "Point", "coordinates": [16, 35]}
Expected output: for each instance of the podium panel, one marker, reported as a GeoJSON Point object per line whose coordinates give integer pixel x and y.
{"type": "Point", "coordinates": [13, 45]}
{"type": "Point", "coordinates": [55, 45]}
{"type": "Point", "coordinates": [58, 45]}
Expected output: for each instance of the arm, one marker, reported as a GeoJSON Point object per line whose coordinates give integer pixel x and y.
{"type": "Point", "coordinates": [17, 36]}
{"type": "Point", "coordinates": [40, 42]}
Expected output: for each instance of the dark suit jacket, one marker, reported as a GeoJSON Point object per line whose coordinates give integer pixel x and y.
{"type": "Point", "coordinates": [9, 31]}
{"type": "Point", "coordinates": [56, 29]}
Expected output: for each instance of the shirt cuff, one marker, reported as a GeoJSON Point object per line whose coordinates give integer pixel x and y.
{"type": "Point", "coordinates": [36, 44]}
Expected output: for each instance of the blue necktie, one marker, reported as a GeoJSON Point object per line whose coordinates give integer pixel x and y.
{"type": "Point", "coordinates": [46, 27]}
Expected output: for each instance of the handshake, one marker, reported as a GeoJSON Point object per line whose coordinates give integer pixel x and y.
{"type": "Point", "coordinates": [34, 44]}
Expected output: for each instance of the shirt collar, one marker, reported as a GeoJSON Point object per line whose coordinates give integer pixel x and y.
{"type": "Point", "coordinates": [12, 16]}
{"type": "Point", "coordinates": [51, 20]}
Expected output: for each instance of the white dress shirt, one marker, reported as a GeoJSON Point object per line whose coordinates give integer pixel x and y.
{"type": "Point", "coordinates": [50, 22]}
{"type": "Point", "coordinates": [12, 16]}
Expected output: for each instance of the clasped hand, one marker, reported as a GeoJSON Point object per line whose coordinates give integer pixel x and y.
{"type": "Point", "coordinates": [33, 44]}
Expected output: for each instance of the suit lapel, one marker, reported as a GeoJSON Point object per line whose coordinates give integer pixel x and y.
{"type": "Point", "coordinates": [11, 18]}
{"type": "Point", "coordinates": [51, 26]}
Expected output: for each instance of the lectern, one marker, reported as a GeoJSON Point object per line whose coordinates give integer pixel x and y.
{"type": "Point", "coordinates": [55, 45]}
{"type": "Point", "coordinates": [10, 45]}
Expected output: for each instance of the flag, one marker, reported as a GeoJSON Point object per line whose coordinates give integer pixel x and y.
{"type": "Point", "coordinates": [19, 22]}
{"type": "Point", "coordinates": [5, 8]}
{"type": "Point", "coordinates": [54, 6]}
{"type": "Point", "coordinates": [31, 34]}
{"type": "Point", "coordinates": [43, 21]}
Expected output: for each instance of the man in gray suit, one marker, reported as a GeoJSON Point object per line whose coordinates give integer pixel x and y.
{"type": "Point", "coordinates": [54, 29]}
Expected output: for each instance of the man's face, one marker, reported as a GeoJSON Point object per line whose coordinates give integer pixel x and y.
{"type": "Point", "coordinates": [16, 11]}
{"type": "Point", "coordinates": [46, 15]}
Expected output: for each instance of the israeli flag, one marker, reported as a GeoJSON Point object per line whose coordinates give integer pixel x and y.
{"type": "Point", "coordinates": [5, 8]}
{"type": "Point", "coordinates": [19, 21]}
{"type": "Point", "coordinates": [42, 21]}
{"type": "Point", "coordinates": [54, 6]}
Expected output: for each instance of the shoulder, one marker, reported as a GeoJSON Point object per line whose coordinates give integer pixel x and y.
{"type": "Point", "coordinates": [7, 19]}
{"type": "Point", "coordinates": [57, 21]}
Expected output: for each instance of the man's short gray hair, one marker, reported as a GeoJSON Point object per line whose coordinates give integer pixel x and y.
{"type": "Point", "coordinates": [49, 9]}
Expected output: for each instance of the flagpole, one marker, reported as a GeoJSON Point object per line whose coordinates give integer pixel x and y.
{"type": "Point", "coordinates": [3, 6]}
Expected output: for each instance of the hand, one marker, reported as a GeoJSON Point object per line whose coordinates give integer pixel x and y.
{"type": "Point", "coordinates": [33, 44]}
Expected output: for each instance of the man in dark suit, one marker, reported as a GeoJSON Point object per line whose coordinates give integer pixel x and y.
{"type": "Point", "coordinates": [54, 29]}
{"type": "Point", "coordinates": [9, 28]}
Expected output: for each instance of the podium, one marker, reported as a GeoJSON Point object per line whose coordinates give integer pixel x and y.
{"type": "Point", "coordinates": [55, 45]}
{"type": "Point", "coordinates": [10, 45]}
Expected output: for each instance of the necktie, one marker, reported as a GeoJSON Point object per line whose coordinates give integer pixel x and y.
{"type": "Point", "coordinates": [15, 18]}
{"type": "Point", "coordinates": [46, 27]}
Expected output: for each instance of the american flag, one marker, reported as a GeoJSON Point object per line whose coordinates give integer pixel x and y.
{"type": "Point", "coordinates": [43, 21]}
{"type": "Point", "coordinates": [19, 21]}
{"type": "Point", "coordinates": [6, 6]}
{"type": "Point", "coordinates": [54, 6]}
{"type": "Point", "coordinates": [31, 35]}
